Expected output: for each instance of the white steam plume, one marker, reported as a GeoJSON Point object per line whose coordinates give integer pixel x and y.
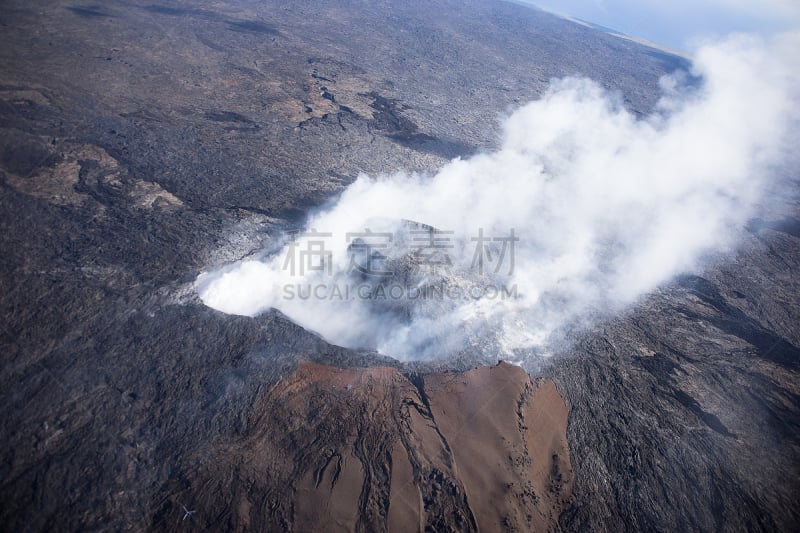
{"type": "Point", "coordinates": [605, 206]}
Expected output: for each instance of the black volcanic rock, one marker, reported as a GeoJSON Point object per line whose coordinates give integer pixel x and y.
{"type": "Point", "coordinates": [685, 412]}
{"type": "Point", "coordinates": [141, 143]}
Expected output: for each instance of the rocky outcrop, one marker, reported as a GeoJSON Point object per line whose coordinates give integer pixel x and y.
{"type": "Point", "coordinates": [142, 143]}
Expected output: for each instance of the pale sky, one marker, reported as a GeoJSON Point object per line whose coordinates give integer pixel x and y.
{"type": "Point", "coordinates": [680, 24]}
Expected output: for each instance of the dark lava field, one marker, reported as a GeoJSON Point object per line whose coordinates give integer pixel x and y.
{"type": "Point", "coordinates": [142, 143]}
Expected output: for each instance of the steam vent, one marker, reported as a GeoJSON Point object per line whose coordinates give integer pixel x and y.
{"type": "Point", "coordinates": [398, 266]}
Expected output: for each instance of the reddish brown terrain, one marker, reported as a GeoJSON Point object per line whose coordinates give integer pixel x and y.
{"type": "Point", "coordinates": [144, 142]}
{"type": "Point", "coordinates": [371, 449]}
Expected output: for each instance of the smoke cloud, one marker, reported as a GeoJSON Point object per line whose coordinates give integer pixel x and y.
{"type": "Point", "coordinates": [582, 210]}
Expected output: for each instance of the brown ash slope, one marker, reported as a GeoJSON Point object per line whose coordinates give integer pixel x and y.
{"type": "Point", "coordinates": [137, 140]}
{"type": "Point", "coordinates": [371, 449]}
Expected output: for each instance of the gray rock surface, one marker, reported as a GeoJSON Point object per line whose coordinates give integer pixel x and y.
{"type": "Point", "coordinates": [141, 143]}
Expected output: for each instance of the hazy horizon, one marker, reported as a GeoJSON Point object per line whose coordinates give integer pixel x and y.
{"type": "Point", "coordinates": [682, 25]}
